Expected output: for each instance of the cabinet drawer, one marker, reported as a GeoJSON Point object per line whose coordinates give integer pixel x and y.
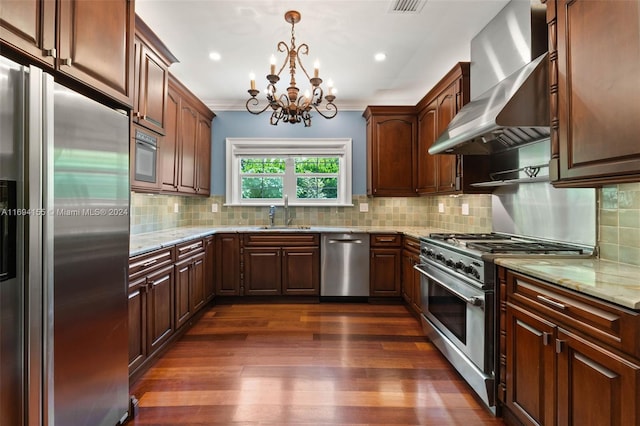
{"type": "Point", "coordinates": [277, 239]}
{"type": "Point", "coordinates": [411, 244]}
{"type": "Point", "coordinates": [608, 323]}
{"type": "Point", "coordinates": [386, 240]}
{"type": "Point", "coordinates": [184, 250]}
{"type": "Point", "coordinates": [144, 263]}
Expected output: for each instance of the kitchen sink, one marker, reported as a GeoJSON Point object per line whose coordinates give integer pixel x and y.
{"type": "Point", "coordinates": [284, 227]}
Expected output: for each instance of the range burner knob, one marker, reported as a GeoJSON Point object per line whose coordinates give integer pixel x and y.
{"type": "Point", "coordinates": [450, 263]}
{"type": "Point", "coordinates": [440, 257]}
{"type": "Point", "coordinates": [460, 265]}
{"type": "Point", "coordinates": [473, 271]}
{"type": "Point", "coordinates": [424, 252]}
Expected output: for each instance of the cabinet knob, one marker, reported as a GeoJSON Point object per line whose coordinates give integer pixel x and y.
{"type": "Point", "coordinates": [50, 52]}
{"type": "Point", "coordinates": [66, 61]}
{"type": "Point", "coordinates": [559, 344]}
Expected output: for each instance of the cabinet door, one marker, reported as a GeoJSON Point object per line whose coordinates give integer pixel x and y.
{"type": "Point", "coordinates": [530, 367]}
{"type": "Point", "coordinates": [197, 292]}
{"type": "Point", "coordinates": [183, 284]}
{"type": "Point", "coordinates": [168, 152]}
{"type": "Point", "coordinates": [407, 277]}
{"type": "Point", "coordinates": [188, 148]}
{"type": "Point", "coordinates": [137, 323]}
{"type": "Point", "coordinates": [160, 297]}
{"type": "Point", "coordinates": [210, 268]}
{"type": "Point", "coordinates": [151, 90]}
{"type": "Point", "coordinates": [262, 271]}
{"type": "Point", "coordinates": [203, 159]}
{"type": "Point", "coordinates": [427, 134]}
{"type": "Point", "coordinates": [598, 86]}
{"type": "Point", "coordinates": [595, 386]}
{"type": "Point", "coordinates": [95, 45]}
{"type": "Point", "coordinates": [228, 265]}
{"type": "Point", "coordinates": [385, 272]}
{"type": "Point", "coordinates": [393, 156]}
{"type": "Point", "coordinates": [447, 109]}
{"type": "Point", "coordinates": [301, 271]}
{"type": "Point", "coordinates": [29, 25]}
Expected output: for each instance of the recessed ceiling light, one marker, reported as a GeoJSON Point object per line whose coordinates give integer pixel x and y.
{"type": "Point", "coordinates": [215, 56]}
{"type": "Point", "coordinates": [379, 57]}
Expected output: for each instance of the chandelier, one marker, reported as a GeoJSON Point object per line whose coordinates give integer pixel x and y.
{"type": "Point", "coordinates": [290, 107]}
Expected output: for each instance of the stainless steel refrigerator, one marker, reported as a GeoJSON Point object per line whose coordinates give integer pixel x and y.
{"type": "Point", "coordinates": [64, 244]}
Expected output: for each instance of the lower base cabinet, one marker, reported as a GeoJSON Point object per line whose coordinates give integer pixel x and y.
{"type": "Point", "coordinates": [151, 319]}
{"type": "Point", "coordinates": [190, 287]}
{"type": "Point", "coordinates": [410, 276]}
{"type": "Point", "coordinates": [567, 360]}
{"type": "Point", "coordinates": [385, 265]}
{"type": "Point", "coordinates": [291, 267]}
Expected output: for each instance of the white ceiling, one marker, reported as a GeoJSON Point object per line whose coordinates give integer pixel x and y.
{"type": "Point", "coordinates": [343, 35]}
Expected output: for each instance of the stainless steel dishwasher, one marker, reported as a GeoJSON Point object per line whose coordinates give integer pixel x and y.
{"type": "Point", "coordinates": [345, 265]}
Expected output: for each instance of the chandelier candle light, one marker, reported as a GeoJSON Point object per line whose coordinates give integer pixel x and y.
{"type": "Point", "coordinates": [290, 107]}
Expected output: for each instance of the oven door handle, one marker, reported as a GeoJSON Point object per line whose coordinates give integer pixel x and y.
{"type": "Point", "coordinates": [473, 300]}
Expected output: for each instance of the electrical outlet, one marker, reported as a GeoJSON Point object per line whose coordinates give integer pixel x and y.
{"type": "Point", "coordinates": [440, 207]}
{"type": "Point", "coordinates": [465, 209]}
{"type": "Point", "coordinates": [176, 207]}
{"type": "Point", "coordinates": [364, 207]}
{"type": "Point", "coordinates": [214, 207]}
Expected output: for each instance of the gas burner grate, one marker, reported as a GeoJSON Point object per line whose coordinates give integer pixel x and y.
{"type": "Point", "coordinates": [470, 236]}
{"type": "Point", "coordinates": [524, 247]}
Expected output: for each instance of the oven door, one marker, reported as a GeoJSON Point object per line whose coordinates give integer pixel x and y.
{"type": "Point", "coordinates": [460, 311]}
{"type": "Point", "coordinates": [146, 157]}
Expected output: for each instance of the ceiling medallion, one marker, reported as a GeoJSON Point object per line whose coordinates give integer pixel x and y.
{"type": "Point", "coordinates": [289, 107]}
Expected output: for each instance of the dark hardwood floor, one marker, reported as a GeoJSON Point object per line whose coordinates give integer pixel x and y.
{"type": "Point", "coordinates": [305, 364]}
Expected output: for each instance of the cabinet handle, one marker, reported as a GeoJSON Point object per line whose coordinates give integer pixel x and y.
{"type": "Point", "coordinates": [50, 52]}
{"type": "Point", "coordinates": [551, 302]}
{"type": "Point", "coordinates": [545, 338]}
{"type": "Point", "coordinates": [66, 61]}
{"type": "Point", "coordinates": [386, 240]}
{"type": "Point", "coordinates": [136, 114]}
{"type": "Point", "coordinates": [559, 344]}
{"type": "Point", "coordinates": [149, 263]}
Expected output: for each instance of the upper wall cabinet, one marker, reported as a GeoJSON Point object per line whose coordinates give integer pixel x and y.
{"type": "Point", "coordinates": [595, 92]}
{"type": "Point", "coordinates": [446, 173]}
{"type": "Point", "coordinates": [151, 75]}
{"type": "Point", "coordinates": [391, 151]}
{"type": "Point", "coordinates": [81, 43]}
{"type": "Point", "coordinates": [185, 151]}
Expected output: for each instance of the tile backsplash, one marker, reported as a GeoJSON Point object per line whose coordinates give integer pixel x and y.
{"type": "Point", "coordinates": [156, 212]}
{"type": "Point", "coordinates": [618, 234]}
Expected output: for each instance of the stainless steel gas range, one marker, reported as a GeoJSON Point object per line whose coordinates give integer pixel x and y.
{"type": "Point", "coordinates": [457, 290]}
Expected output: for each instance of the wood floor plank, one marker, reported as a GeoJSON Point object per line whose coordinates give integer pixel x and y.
{"type": "Point", "coordinates": [305, 364]}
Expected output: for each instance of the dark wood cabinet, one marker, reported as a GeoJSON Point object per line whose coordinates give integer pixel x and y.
{"type": "Point", "coordinates": [391, 151]}
{"type": "Point", "coordinates": [228, 258]}
{"type": "Point", "coordinates": [151, 305]}
{"type": "Point", "coordinates": [385, 266]}
{"type": "Point", "coordinates": [446, 173]}
{"type": "Point", "coordinates": [63, 34]}
{"type": "Point", "coordinates": [594, 76]}
{"type": "Point", "coordinates": [29, 26]}
{"type": "Point", "coordinates": [190, 275]}
{"type": "Point", "coordinates": [281, 264]}
{"type": "Point", "coordinates": [410, 277]}
{"type": "Point", "coordinates": [565, 358]}
{"type": "Point", "coordinates": [185, 155]}
{"type": "Point", "coordinates": [152, 60]}
{"type": "Point", "coordinates": [210, 268]}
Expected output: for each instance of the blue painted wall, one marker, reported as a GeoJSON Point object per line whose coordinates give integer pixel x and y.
{"type": "Point", "coordinates": [241, 124]}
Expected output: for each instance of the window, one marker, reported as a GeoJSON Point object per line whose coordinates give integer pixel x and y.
{"type": "Point", "coordinates": [308, 171]}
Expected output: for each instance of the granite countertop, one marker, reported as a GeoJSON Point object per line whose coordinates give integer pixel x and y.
{"type": "Point", "coordinates": [142, 243]}
{"type": "Point", "coordinates": [610, 281]}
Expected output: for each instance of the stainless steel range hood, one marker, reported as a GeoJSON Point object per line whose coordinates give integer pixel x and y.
{"type": "Point", "coordinates": [514, 110]}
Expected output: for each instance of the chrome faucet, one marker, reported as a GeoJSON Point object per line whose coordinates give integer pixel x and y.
{"type": "Point", "coordinates": [272, 215]}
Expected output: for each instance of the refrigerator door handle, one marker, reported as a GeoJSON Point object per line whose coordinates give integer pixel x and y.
{"type": "Point", "coordinates": [47, 238]}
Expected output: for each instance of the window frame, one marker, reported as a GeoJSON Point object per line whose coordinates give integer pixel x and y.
{"type": "Point", "coordinates": [238, 148]}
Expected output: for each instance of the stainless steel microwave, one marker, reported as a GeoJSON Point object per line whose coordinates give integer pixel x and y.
{"type": "Point", "coordinates": [146, 157]}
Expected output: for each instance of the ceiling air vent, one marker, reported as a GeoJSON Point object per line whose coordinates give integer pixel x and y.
{"type": "Point", "coordinates": [407, 6]}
